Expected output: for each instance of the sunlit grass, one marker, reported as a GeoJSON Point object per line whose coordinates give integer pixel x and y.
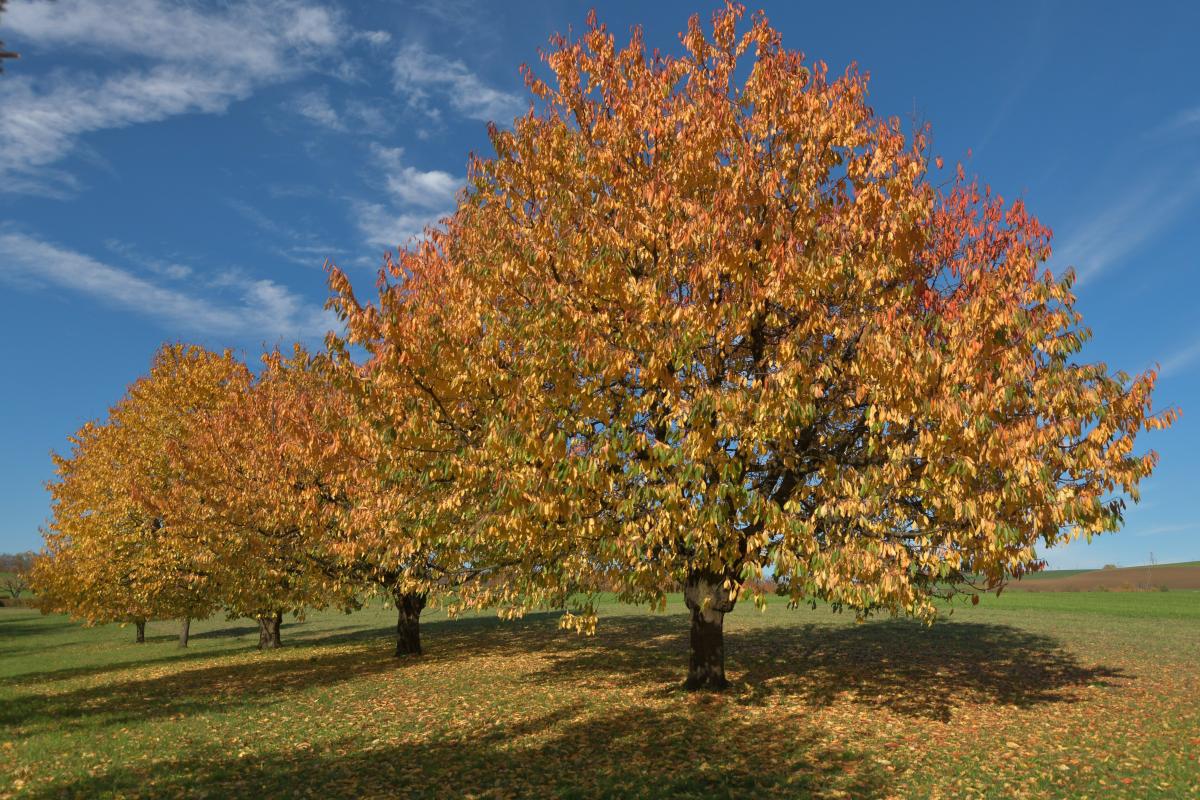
{"type": "Point", "coordinates": [1038, 695]}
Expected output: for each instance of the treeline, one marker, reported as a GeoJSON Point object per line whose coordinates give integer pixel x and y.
{"type": "Point", "coordinates": [699, 320]}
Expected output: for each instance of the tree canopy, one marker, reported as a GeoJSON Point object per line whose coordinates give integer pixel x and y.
{"type": "Point", "coordinates": [699, 319]}
{"type": "Point", "coordinates": [729, 320]}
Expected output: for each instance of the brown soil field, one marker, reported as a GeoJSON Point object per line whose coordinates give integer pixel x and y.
{"type": "Point", "coordinates": [1125, 579]}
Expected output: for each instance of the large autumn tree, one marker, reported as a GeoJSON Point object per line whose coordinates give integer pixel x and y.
{"type": "Point", "coordinates": [739, 324]}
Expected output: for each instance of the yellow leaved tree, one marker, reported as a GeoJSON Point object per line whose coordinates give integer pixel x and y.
{"type": "Point", "coordinates": [709, 317]}
{"type": "Point", "coordinates": [111, 552]}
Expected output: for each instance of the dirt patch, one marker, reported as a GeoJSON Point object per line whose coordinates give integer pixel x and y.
{"type": "Point", "coordinates": [1125, 579]}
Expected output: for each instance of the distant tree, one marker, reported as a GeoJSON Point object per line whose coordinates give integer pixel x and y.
{"type": "Point", "coordinates": [716, 317]}
{"type": "Point", "coordinates": [260, 474]}
{"type": "Point", "coordinates": [15, 568]}
{"type": "Point", "coordinates": [111, 553]}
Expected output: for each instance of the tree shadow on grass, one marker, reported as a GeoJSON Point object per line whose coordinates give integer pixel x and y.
{"type": "Point", "coordinates": [900, 665]}
{"type": "Point", "coordinates": [182, 686]}
{"type": "Point", "coordinates": [157, 656]}
{"type": "Point", "coordinates": [542, 625]}
{"type": "Point", "coordinates": [690, 750]}
{"type": "Point", "coordinates": [187, 689]}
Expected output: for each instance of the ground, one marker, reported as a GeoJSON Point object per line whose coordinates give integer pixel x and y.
{"type": "Point", "coordinates": [1086, 694]}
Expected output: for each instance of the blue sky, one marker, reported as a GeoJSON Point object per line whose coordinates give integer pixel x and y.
{"type": "Point", "coordinates": [181, 171]}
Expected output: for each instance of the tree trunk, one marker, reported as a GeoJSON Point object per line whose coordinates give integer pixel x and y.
{"type": "Point", "coordinates": [268, 631]}
{"type": "Point", "coordinates": [185, 630]}
{"type": "Point", "coordinates": [709, 602]}
{"type": "Point", "coordinates": [408, 623]}
{"type": "Point", "coordinates": [141, 631]}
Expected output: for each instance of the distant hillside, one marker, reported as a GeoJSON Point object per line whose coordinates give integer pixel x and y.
{"type": "Point", "coordinates": [1185, 575]}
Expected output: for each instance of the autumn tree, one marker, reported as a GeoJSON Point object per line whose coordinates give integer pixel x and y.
{"type": "Point", "coordinates": [738, 323]}
{"type": "Point", "coordinates": [427, 522]}
{"type": "Point", "coordinates": [110, 554]}
{"type": "Point", "coordinates": [259, 474]}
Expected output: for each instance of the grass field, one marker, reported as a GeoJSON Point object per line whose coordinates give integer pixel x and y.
{"type": "Point", "coordinates": [1029, 695]}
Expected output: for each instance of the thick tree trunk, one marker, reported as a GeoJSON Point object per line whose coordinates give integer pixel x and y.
{"type": "Point", "coordinates": [709, 602]}
{"type": "Point", "coordinates": [185, 630]}
{"type": "Point", "coordinates": [141, 631]}
{"type": "Point", "coordinates": [268, 631]}
{"type": "Point", "coordinates": [408, 623]}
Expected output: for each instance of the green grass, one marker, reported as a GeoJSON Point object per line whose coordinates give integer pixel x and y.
{"type": "Point", "coordinates": [1029, 695]}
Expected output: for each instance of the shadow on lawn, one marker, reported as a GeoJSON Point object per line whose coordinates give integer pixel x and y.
{"type": "Point", "coordinates": [899, 665]}
{"type": "Point", "coordinates": [902, 666]}
{"type": "Point", "coordinates": [702, 749]}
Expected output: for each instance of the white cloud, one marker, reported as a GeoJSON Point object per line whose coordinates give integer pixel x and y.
{"type": "Point", "coordinates": [314, 106]}
{"type": "Point", "coordinates": [200, 62]}
{"type": "Point", "coordinates": [259, 39]}
{"type": "Point", "coordinates": [418, 199]}
{"type": "Point", "coordinates": [417, 74]}
{"type": "Point", "coordinates": [389, 228]}
{"type": "Point", "coordinates": [263, 307]}
{"type": "Point", "coordinates": [410, 186]}
{"type": "Point", "coordinates": [376, 38]}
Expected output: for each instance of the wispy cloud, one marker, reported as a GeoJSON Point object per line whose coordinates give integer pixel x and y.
{"type": "Point", "coordinates": [1186, 120]}
{"type": "Point", "coordinates": [168, 269]}
{"type": "Point", "coordinates": [314, 106]}
{"type": "Point", "coordinates": [199, 62]}
{"type": "Point", "coordinates": [295, 245]}
{"type": "Point", "coordinates": [375, 38]}
{"type": "Point", "coordinates": [1180, 360]}
{"type": "Point", "coordinates": [356, 115]}
{"type": "Point", "coordinates": [1111, 234]}
{"type": "Point", "coordinates": [419, 75]}
{"type": "Point", "coordinates": [262, 307]}
{"type": "Point", "coordinates": [1159, 530]}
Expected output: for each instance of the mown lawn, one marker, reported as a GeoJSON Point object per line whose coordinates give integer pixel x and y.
{"type": "Point", "coordinates": [1031, 695]}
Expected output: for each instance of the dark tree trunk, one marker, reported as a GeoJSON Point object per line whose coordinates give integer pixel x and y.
{"type": "Point", "coordinates": [141, 631]}
{"type": "Point", "coordinates": [268, 631]}
{"type": "Point", "coordinates": [709, 602]}
{"type": "Point", "coordinates": [185, 630]}
{"type": "Point", "coordinates": [408, 623]}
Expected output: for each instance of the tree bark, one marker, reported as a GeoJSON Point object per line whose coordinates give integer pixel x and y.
{"type": "Point", "coordinates": [268, 631]}
{"type": "Point", "coordinates": [408, 623]}
{"type": "Point", "coordinates": [141, 631]}
{"type": "Point", "coordinates": [185, 631]}
{"type": "Point", "coordinates": [709, 602]}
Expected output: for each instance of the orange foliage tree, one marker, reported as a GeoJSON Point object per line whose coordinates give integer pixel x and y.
{"type": "Point", "coordinates": [262, 476]}
{"type": "Point", "coordinates": [110, 553]}
{"type": "Point", "coordinates": [706, 317]}
{"type": "Point", "coordinates": [430, 523]}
